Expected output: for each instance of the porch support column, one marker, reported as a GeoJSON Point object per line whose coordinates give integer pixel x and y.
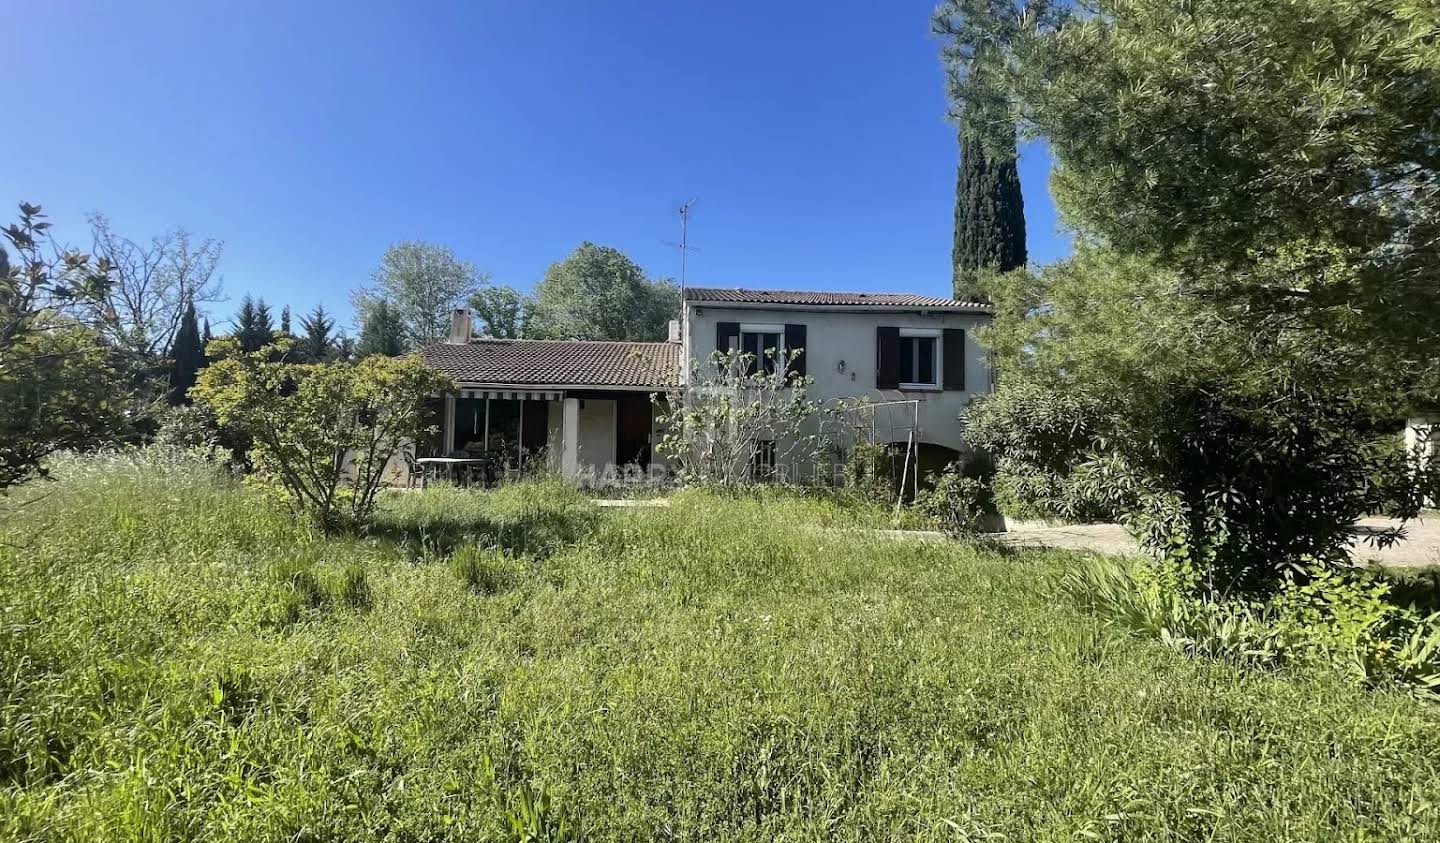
{"type": "Point", "coordinates": [447, 427]}
{"type": "Point", "coordinates": [570, 438]}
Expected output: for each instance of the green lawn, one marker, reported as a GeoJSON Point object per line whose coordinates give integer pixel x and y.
{"type": "Point", "coordinates": [179, 661]}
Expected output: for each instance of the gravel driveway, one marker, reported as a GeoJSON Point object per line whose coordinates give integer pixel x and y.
{"type": "Point", "coordinates": [1420, 548]}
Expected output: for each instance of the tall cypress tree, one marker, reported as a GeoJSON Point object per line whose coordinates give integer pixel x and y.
{"type": "Point", "coordinates": [187, 356]}
{"type": "Point", "coordinates": [989, 214]}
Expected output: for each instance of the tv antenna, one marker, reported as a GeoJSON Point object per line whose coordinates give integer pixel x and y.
{"type": "Point", "coordinates": [684, 244]}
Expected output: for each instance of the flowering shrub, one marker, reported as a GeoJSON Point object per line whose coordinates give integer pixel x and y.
{"type": "Point", "coordinates": [323, 432]}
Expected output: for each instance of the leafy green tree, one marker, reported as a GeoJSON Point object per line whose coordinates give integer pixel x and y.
{"type": "Point", "coordinates": [253, 328]}
{"type": "Point", "coordinates": [989, 215]}
{"type": "Point", "coordinates": [500, 310]}
{"type": "Point", "coordinates": [1225, 452]}
{"type": "Point", "coordinates": [57, 376]}
{"type": "Point", "coordinates": [317, 345]}
{"type": "Point", "coordinates": [1261, 300]}
{"type": "Point", "coordinates": [187, 356]}
{"type": "Point", "coordinates": [381, 331]}
{"type": "Point", "coordinates": [323, 433]}
{"type": "Point", "coordinates": [423, 284]}
{"type": "Point", "coordinates": [597, 293]}
{"type": "Point", "coordinates": [1293, 191]}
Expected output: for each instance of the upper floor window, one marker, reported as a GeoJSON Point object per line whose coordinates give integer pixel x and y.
{"type": "Point", "coordinates": [764, 343]}
{"type": "Point", "coordinates": [769, 346]}
{"type": "Point", "coordinates": [919, 358]}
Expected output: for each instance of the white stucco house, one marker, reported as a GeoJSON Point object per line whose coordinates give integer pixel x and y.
{"type": "Point", "coordinates": [588, 405]}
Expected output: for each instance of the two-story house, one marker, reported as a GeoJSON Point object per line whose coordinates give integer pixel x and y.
{"type": "Point", "coordinates": [588, 404]}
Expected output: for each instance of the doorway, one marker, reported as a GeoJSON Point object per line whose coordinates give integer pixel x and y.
{"type": "Point", "coordinates": [632, 431]}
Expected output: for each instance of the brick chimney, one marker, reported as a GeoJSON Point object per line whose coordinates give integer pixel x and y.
{"type": "Point", "coordinates": [460, 326]}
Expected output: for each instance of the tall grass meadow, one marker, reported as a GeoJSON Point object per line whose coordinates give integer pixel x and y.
{"type": "Point", "coordinates": [182, 661]}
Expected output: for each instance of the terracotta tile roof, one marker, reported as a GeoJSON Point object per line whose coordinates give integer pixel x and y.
{"type": "Point", "coordinates": [556, 362]}
{"type": "Point", "coordinates": [822, 299]}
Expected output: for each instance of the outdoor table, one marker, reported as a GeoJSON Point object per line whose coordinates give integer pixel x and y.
{"type": "Point", "coordinates": [449, 464]}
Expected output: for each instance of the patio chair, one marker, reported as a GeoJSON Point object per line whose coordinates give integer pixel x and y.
{"type": "Point", "coordinates": [413, 470]}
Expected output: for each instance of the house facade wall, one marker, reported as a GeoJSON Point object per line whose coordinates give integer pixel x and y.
{"type": "Point", "coordinates": [841, 356]}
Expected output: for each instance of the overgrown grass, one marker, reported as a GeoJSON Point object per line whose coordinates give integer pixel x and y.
{"type": "Point", "coordinates": [180, 661]}
{"type": "Point", "coordinates": [1375, 626]}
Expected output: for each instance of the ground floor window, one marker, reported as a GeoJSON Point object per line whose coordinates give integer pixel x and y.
{"type": "Point", "coordinates": [488, 427]}
{"type": "Point", "coordinates": [762, 463]}
{"type": "Point", "coordinates": [503, 436]}
{"type": "Point", "coordinates": [469, 432]}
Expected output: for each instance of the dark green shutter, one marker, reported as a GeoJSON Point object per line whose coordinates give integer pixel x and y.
{"type": "Point", "coordinates": [887, 358]}
{"type": "Point", "coordinates": [795, 341]}
{"type": "Point", "coordinates": [953, 351]}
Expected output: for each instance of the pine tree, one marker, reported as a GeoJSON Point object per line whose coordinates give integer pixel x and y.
{"type": "Point", "coordinates": [382, 332]}
{"type": "Point", "coordinates": [253, 327]}
{"type": "Point", "coordinates": [206, 336]}
{"type": "Point", "coordinates": [285, 321]}
{"type": "Point", "coordinates": [317, 345]}
{"type": "Point", "coordinates": [989, 215]}
{"type": "Point", "coordinates": [187, 356]}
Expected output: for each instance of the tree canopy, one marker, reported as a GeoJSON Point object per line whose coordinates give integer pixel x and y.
{"type": "Point", "coordinates": [381, 331]}
{"type": "Point", "coordinates": [317, 426]}
{"type": "Point", "coordinates": [1255, 301]}
{"type": "Point", "coordinates": [152, 283]}
{"type": "Point", "coordinates": [317, 343]}
{"type": "Point", "coordinates": [597, 293]}
{"type": "Point", "coordinates": [423, 284]}
{"type": "Point", "coordinates": [57, 375]}
{"type": "Point", "coordinates": [1282, 157]}
{"type": "Point", "coordinates": [253, 327]}
{"type": "Point", "coordinates": [500, 311]}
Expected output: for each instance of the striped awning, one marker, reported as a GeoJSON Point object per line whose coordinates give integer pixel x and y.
{"type": "Point", "coordinates": [514, 394]}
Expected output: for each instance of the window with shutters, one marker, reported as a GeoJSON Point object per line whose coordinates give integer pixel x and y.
{"type": "Point", "coordinates": [919, 359]}
{"type": "Point", "coordinates": [764, 343]}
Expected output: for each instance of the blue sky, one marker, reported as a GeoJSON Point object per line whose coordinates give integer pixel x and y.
{"type": "Point", "coordinates": [310, 136]}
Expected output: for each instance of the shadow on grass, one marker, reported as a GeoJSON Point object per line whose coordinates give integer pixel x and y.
{"type": "Point", "coordinates": [539, 534]}
{"type": "Point", "coordinates": [1418, 587]}
{"type": "Point", "coordinates": [528, 519]}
